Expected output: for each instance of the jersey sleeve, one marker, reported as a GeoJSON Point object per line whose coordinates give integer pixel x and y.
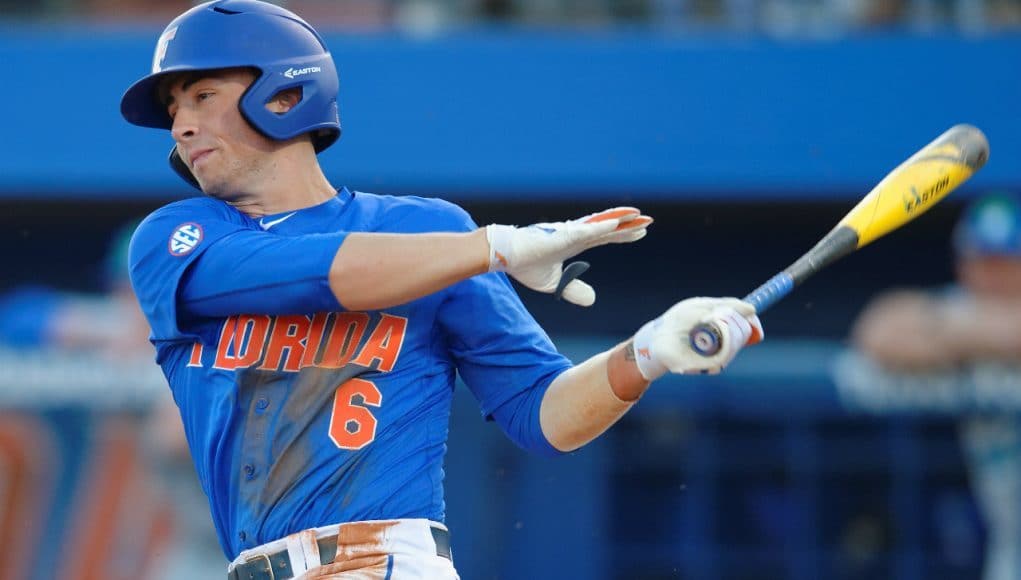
{"type": "Point", "coordinates": [498, 347]}
{"type": "Point", "coordinates": [500, 350]}
{"type": "Point", "coordinates": [191, 263]}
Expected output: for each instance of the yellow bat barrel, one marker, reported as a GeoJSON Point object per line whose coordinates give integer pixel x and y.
{"type": "Point", "coordinates": [917, 184]}
{"type": "Point", "coordinates": [904, 194]}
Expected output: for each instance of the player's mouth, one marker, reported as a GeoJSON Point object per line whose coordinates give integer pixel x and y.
{"type": "Point", "coordinates": [199, 156]}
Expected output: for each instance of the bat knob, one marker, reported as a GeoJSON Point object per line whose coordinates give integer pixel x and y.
{"type": "Point", "coordinates": [705, 339]}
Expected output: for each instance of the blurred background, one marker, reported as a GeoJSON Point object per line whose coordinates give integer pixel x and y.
{"type": "Point", "coordinates": [746, 128]}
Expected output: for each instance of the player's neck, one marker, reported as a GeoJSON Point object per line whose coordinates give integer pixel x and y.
{"type": "Point", "coordinates": [294, 181]}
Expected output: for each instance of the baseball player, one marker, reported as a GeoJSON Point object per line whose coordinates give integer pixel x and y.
{"type": "Point", "coordinates": [974, 325]}
{"type": "Point", "coordinates": [311, 335]}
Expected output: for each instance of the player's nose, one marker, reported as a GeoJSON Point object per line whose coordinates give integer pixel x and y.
{"type": "Point", "coordinates": [184, 126]}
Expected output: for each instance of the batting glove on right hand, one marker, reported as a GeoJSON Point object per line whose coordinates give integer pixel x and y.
{"type": "Point", "coordinates": [535, 255]}
{"type": "Point", "coordinates": [664, 344]}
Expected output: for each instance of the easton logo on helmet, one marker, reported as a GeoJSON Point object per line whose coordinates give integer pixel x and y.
{"type": "Point", "coordinates": [297, 72]}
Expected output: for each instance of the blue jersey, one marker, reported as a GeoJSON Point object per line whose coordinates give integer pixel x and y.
{"type": "Point", "coordinates": [299, 413]}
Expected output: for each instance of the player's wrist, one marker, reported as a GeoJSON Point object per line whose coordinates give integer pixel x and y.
{"type": "Point", "coordinates": [499, 238]}
{"type": "Point", "coordinates": [627, 384]}
{"type": "Point", "coordinates": [648, 365]}
{"type": "Point", "coordinates": [479, 250]}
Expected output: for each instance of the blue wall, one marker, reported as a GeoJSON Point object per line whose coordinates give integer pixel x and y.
{"type": "Point", "coordinates": [482, 116]}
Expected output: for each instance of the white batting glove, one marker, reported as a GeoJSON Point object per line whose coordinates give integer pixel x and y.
{"type": "Point", "coordinates": [664, 344]}
{"type": "Point", "coordinates": [535, 255]}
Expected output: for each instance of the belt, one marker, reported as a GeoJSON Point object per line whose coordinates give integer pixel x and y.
{"type": "Point", "coordinates": [277, 566]}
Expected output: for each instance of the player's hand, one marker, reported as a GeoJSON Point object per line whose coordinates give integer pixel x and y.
{"type": "Point", "coordinates": [912, 331]}
{"type": "Point", "coordinates": [664, 345]}
{"type": "Point", "coordinates": [535, 255]}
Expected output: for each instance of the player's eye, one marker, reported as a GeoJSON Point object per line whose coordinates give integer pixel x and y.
{"type": "Point", "coordinates": [202, 96]}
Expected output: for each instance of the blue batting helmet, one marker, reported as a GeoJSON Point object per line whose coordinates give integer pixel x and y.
{"type": "Point", "coordinates": [285, 50]}
{"type": "Point", "coordinates": [990, 226]}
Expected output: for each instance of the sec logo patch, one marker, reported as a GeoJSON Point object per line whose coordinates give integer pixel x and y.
{"type": "Point", "coordinates": [185, 238]}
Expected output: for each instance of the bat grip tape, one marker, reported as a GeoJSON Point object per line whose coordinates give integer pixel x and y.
{"type": "Point", "coordinates": [769, 293]}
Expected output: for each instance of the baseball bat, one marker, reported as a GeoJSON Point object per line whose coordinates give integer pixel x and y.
{"type": "Point", "coordinates": [905, 193]}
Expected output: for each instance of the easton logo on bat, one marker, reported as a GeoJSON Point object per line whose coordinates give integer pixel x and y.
{"type": "Point", "coordinates": [914, 200]}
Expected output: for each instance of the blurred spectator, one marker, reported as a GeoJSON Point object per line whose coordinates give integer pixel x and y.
{"type": "Point", "coordinates": [978, 321]}
{"type": "Point", "coordinates": [155, 11]}
{"type": "Point", "coordinates": [780, 17]}
{"type": "Point", "coordinates": [111, 327]}
{"type": "Point", "coordinates": [111, 324]}
{"type": "Point", "coordinates": [344, 14]}
{"type": "Point", "coordinates": [11, 8]}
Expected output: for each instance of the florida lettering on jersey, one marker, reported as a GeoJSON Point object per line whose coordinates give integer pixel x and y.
{"type": "Point", "coordinates": [328, 340]}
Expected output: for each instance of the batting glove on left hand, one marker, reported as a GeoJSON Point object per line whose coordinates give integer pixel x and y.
{"type": "Point", "coordinates": [535, 255]}
{"type": "Point", "coordinates": [664, 344]}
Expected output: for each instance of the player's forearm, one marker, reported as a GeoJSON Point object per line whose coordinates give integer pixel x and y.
{"type": "Point", "coordinates": [587, 399]}
{"type": "Point", "coordinates": [373, 271]}
{"type": "Point", "coordinates": [982, 329]}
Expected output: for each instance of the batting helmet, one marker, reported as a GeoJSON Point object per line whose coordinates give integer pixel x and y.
{"type": "Point", "coordinates": [990, 226]}
{"type": "Point", "coordinates": [285, 50]}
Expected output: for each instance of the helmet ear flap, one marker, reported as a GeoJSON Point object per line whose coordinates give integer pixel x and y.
{"type": "Point", "coordinates": [177, 164]}
{"type": "Point", "coordinates": [316, 77]}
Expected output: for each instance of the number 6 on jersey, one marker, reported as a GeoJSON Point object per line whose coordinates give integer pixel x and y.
{"type": "Point", "coordinates": [352, 425]}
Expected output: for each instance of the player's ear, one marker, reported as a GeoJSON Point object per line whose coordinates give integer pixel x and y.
{"type": "Point", "coordinates": [285, 100]}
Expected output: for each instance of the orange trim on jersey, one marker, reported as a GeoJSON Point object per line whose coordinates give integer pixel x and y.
{"type": "Point", "coordinates": [385, 343]}
{"type": "Point", "coordinates": [347, 332]}
{"type": "Point", "coordinates": [289, 332]}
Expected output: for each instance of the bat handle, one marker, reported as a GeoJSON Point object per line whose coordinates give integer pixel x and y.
{"type": "Point", "coordinates": [706, 339]}
{"type": "Point", "coordinates": [771, 292]}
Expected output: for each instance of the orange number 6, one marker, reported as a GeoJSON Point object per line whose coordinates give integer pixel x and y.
{"type": "Point", "coordinates": [352, 425]}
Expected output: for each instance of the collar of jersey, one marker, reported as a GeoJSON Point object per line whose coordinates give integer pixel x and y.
{"type": "Point", "coordinates": [325, 210]}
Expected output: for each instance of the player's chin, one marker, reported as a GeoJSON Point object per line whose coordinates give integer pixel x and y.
{"type": "Point", "coordinates": [222, 192]}
{"type": "Point", "coordinates": [212, 187]}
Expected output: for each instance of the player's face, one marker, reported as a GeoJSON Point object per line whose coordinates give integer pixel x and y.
{"type": "Point", "coordinates": [993, 276]}
{"type": "Point", "coordinates": [224, 153]}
